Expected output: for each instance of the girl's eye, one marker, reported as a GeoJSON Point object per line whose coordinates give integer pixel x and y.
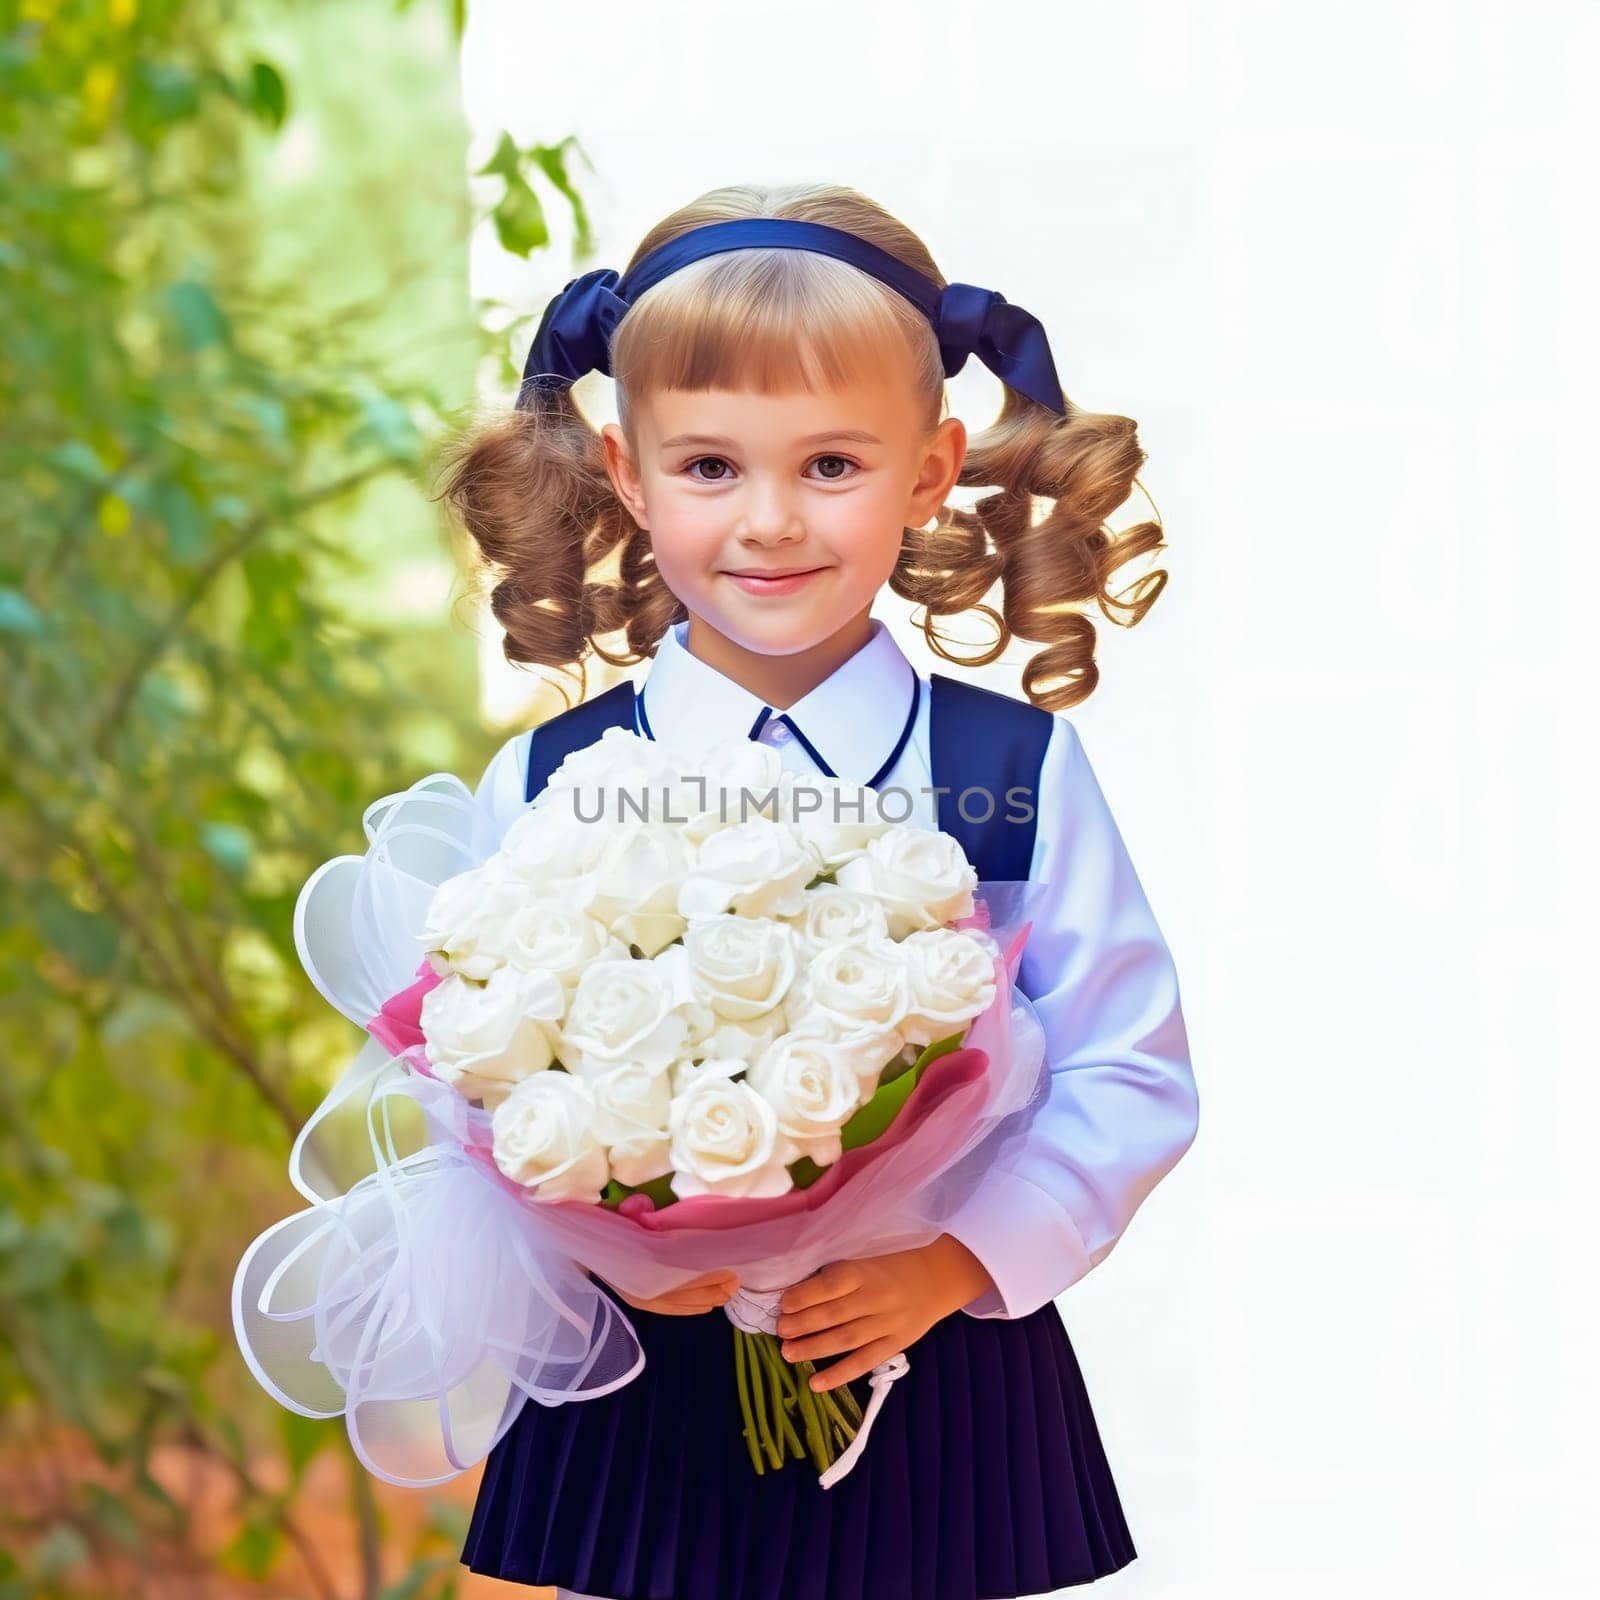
{"type": "Point", "coordinates": [832, 469]}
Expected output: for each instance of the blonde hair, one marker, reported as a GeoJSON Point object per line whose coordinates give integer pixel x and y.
{"type": "Point", "coordinates": [566, 565]}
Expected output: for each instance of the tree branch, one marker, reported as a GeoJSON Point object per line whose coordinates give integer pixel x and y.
{"type": "Point", "coordinates": [161, 637]}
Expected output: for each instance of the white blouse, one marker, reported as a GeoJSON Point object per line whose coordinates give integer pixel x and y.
{"type": "Point", "coordinates": [1122, 1106]}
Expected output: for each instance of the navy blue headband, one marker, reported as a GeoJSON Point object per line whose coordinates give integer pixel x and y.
{"type": "Point", "coordinates": [574, 334]}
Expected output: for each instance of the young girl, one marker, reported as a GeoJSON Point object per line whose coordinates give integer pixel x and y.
{"type": "Point", "coordinates": [782, 454]}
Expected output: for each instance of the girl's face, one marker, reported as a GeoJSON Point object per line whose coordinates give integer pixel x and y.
{"type": "Point", "coordinates": [776, 519]}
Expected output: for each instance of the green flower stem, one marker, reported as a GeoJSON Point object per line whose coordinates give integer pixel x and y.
{"type": "Point", "coordinates": [838, 1405]}
{"type": "Point", "coordinates": [839, 1431]}
{"type": "Point", "coordinates": [818, 1436]}
{"type": "Point", "coordinates": [758, 1395]}
{"type": "Point", "coordinates": [783, 1378]}
{"type": "Point", "coordinates": [778, 1405]}
{"type": "Point", "coordinates": [792, 1421]}
{"type": "Point", "coordinates": [741, 1368]}
{"type": "Point", "coordinates": [845, 1398]}
{"type": "Point", "coordinates": [784, 1395]}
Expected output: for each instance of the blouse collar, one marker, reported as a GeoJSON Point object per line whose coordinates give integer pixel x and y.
{"type": "Point", "coordinates": [853, 724]}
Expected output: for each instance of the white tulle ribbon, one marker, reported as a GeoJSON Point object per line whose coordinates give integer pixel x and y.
{"type": "Point", "coordinates": [357, 918]}
{"type": "Point", "coordinates": [424, 1302]}
{"type": "Point", "coordinates": [426, 1305]}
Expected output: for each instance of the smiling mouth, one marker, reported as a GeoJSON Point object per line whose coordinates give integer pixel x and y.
{"type": "Point", "coordinates": [785, 581]}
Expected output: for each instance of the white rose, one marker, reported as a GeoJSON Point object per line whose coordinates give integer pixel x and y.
{"type": "Point", "coordinates": [544, 1139]}
{"type": "Point", "coordinates": [551, 851]}
{"type": "Point", "coordinates": [921, 877]}
{"type": "Point", "coordinates": [735, 780]}
{"type": "Point", "coordinates": [813, 1088]}
{"type": "Point", "coordinates": [631, 1108]}
{"type": "Point", "coordinates": [591, 782]}
{"type": "Point", "coordinates": [757, 868]}
{"type": "Point", "coordinates": [952, 981]}
{"type": "Point", "coordinates": [725, 1140]}
{"type": "Point", "coordinates": [483, 1038]}
{"type": "Point", "coordinates": [685, 1074]}
{"type": "Point", "coordinates": [862, 985]}
{"type": "Point", "coordinates": [855, 996]}
{"type": "Point", "coordinates": [867, 1051]}
{"type": "Point", "coordinates": [635, 883]}
{"type": "Point", "coordinates": [838, 819]}
{"type": "Point", "coordinates": [463, 930]}
{"type": "Point", "coordinates": [627, 1012]}
{"type": "Point", "coordinates": [831, 915]}
{"type": "Point", "coordinates": [741, 967]}
{"type": "Point", "coordinates": [558, 937]}
{"type": "Point", "coordinates": [741, 1040]}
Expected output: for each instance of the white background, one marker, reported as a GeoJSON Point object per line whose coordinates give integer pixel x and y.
{"type": "Point", "coordinates": [1339, 262]}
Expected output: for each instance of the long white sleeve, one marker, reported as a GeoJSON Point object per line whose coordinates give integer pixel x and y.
{"type": "Point", "coordinates": [1122, 1106]}
{"type": "Point", "coordinates": [503, 786]}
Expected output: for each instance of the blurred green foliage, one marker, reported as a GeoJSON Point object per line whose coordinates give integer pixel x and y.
{"type": "Point", "coordinates": [233, 322]}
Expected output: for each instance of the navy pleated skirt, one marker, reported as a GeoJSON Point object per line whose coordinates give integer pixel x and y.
{"type": "Point", "coordinates": [984, 1476]}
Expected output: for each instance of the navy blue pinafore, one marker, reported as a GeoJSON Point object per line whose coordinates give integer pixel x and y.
{"type": "Point", "coordinates": [985, 1476]}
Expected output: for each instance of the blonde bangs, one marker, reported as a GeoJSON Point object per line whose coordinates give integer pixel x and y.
{"type": "Point", "coordinates": [769, 322]}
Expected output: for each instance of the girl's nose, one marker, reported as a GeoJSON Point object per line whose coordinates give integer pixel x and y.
{"type": "Point", "coordinates": [767, 512]}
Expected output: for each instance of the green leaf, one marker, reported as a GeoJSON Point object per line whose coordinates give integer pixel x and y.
{"type": "Point", "coordinates": [269, 96]}
{"type": "Point", "coordinates": [274, 621]}
{"type": "Point", "coordinates": [183, 520]}
{"type": "Point", "coordinates": [254, 1549]}
{"type": "Point", "coordinates": [167, 704]}
{"type": "Point", "coordinates": [506, 162]}
{"type": "Point", "coordinates": [166, 91]}
{"type": "Point", "coordinates": [113, 1517]}
{"type": "Point", "coordinates": [805, 1172]}
{"type": "Point", "coordinates": [415, 1582]}
{"type": "Point", "coordinates": [659, 1190]}
{"type": "Point", "coordinates": [37, 1265]}
{"type": "Point", "coordinates": [387, 424]}
{"type": "Point", "coordinates": [127, 1236]}
{"type": "Point", "coordinates": [519, 219]}
{"type": "Point", "coordinates": [76, 460]}
{"type": "Point", "coordinates": [875, 1116]}
{"type": "Point", "coordinates": [302, 1438]}
{"type": "Point", "coordinates": [269, 414]}
{"type": "Point", "coordinates": [200, 321]}
{"type": "Point", "coordinates": [13, 1230]}
{"type": "Point", "coordinates": [18, 616]}
{"type": "Point", "coordinates": [90, 942]}
{"type": "Point", "coordinates": [229, 845]}
{"type": "Point", "coordinates": [551, 160]}
{"type": "Point", "coordinates": [59, 1551]}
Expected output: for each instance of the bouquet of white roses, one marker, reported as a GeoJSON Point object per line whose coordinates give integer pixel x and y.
{"type": "Point", "coordinates": [683, 1014]}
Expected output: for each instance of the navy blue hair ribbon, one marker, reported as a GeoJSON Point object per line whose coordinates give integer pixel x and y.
{"type": "Point", "coordinates": [574, 335]}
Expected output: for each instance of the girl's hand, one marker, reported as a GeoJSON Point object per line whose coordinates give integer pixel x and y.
{"type": "Point", "coordinates": [875, 1307]}
{"type": "Point", "coordinates": [689, 1299]}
